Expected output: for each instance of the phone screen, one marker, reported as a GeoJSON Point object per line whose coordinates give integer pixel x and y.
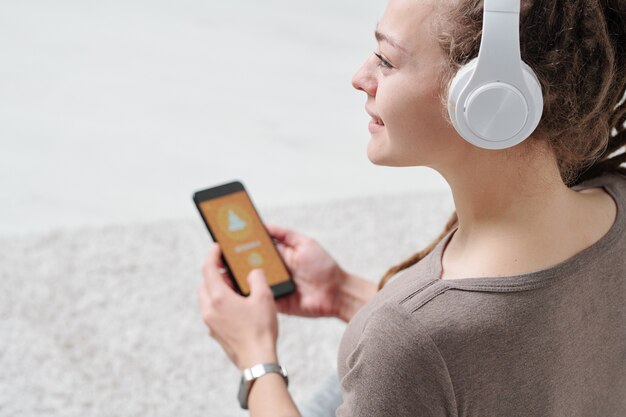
{"type": "Point", "coordinates": [243, 239]}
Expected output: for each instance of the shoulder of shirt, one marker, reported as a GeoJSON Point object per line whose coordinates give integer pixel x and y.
{"type": "Point", "coordinates": [412, 287]}
{"type": "Point", "coordinates": [391, 321]}
{"type": "Point", "coordinates": [402, 303]}
{"type": "Point", "coordinates": [400, 350]}
{"type": "Point", "coordinates": [392, 328]}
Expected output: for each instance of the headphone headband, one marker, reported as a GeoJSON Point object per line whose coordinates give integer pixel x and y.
{"type": "Point", "coordinates": [506, 6]}
{"type": "Point", "coordinates": [499, 54]}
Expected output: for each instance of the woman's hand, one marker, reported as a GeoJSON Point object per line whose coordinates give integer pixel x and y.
{"type": "Point", "coordinates": [245, 327]}
{"type": "Point", "coordinates": [317, 275]}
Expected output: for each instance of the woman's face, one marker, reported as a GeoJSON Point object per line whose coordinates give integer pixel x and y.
{"type": "Point", "coordinates": [408, 127]}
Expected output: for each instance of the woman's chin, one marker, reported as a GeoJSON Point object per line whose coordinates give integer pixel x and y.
{"type": "Point", "coordinates": [379, 156]}
{"type": "Point", "coordinates": [376, 154]}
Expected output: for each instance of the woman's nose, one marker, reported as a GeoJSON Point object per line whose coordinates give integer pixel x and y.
{"type": "Point", "coordinates": [364, 79]}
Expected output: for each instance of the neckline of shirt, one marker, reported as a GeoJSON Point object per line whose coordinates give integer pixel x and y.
{"type": "Point", "coordinates": [541, 277]}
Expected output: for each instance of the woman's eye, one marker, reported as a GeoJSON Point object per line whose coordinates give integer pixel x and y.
{"type": "Point", "coordinates": [382, 62]}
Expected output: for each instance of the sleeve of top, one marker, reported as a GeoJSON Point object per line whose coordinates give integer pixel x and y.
{"type": "Point", "coordinates": [396, 370]}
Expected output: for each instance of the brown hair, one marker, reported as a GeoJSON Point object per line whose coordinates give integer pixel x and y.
{"type": "Point", "coordinates": [577, 49]}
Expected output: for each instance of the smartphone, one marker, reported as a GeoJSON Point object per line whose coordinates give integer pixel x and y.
{"type": "Point", "coordinates": [235, 224]}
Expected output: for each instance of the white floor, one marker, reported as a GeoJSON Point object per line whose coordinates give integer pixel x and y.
{"type": "Point", "coordinates": [116, 111]}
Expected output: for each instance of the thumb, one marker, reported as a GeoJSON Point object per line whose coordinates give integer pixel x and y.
{"type": "Point", "coordinates": [258, 283]}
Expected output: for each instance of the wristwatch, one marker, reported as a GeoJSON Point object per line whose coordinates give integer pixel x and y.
{"type": "Point", "coordinates": [252, 374]}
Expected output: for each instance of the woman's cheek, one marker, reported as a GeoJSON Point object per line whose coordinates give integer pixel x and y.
{"type": "Point", "coordinates": [395, 102]}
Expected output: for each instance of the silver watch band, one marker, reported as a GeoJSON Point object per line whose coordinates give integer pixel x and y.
{"type": "Point", "coordinates": [252, 374]}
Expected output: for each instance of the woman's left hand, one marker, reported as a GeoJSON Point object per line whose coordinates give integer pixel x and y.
{"type": "Point", "coordinates": [245, 327]}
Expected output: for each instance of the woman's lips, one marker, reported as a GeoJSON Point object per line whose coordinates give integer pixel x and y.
{"type": "Point", "coordinates": [375, 125]}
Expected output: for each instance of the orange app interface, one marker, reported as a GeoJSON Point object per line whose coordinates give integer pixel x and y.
{"type": "Point", "coordinates": [243, 239]}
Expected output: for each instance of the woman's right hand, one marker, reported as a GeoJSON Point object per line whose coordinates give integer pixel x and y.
{"type": "Point", "coordinates": [317, 275]}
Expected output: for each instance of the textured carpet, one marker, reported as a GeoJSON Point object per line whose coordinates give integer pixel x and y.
{"type": "Point", "coordinates": [105, 322]}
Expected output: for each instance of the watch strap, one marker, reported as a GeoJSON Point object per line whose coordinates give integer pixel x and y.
{"type": "Point", "coordinates": [252, 374]}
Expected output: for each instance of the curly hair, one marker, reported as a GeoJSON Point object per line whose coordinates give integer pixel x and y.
{"type": "Point", "coordinates": [577, 49]}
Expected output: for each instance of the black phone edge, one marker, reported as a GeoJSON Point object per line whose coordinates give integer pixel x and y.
{"type": "Point", "coordinates": [219, 191]}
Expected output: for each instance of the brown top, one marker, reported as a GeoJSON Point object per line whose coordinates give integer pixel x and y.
{"type": "Point", "coordinates": [546, 343]}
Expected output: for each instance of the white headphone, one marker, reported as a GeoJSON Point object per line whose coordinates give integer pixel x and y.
{"type": "Point", "coordinates": [495, 100]}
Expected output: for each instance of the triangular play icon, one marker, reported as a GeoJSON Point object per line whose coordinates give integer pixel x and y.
{"type": "Point", "coordinates": [234, 222]}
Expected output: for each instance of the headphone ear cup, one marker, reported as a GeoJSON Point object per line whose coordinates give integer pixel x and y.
{"type": "Point", "coordinates": [459, 82]}
{"type": "Point", "coordinates": [535, 100]}
{"type": "Point", "coordinates": [529, 102]}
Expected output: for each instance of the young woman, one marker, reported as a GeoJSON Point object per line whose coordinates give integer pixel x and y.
{"type": "Point", "coordinates": [518, 307]}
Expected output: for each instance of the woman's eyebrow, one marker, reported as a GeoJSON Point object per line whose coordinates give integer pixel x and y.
{"type": "Point", "coordinates": [383, 37]}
